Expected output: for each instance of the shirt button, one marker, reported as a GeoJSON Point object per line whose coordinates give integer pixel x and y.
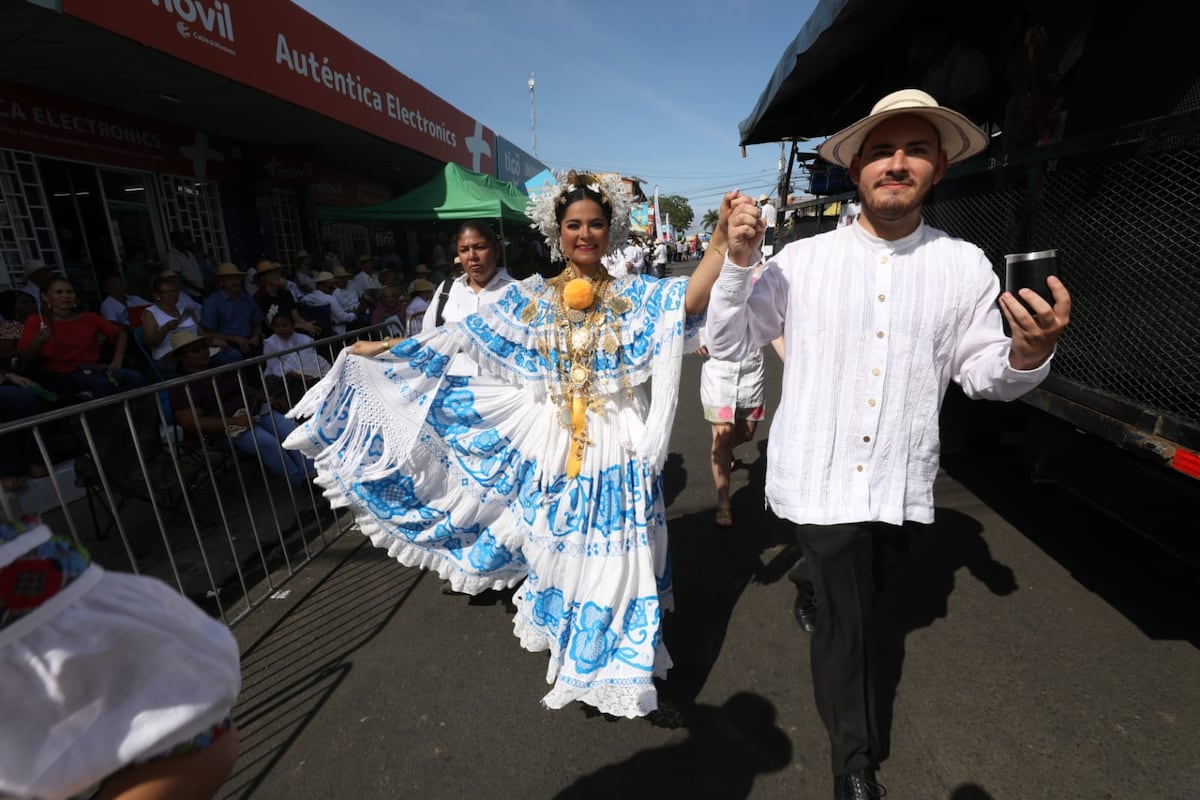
{"type": "Point", "coordinates": [866, 438]}
{"type": "Point", "coordinates": [879, 335]}
{"type": "Point", "coordinates": [859, 468]}
{"type": "Point", "coordinates": [871, 403]}
{"type": "Point", "coordinates": [883, 260]}
{"type": "Point", "coordinates": [882, 298]}
{"type": "Point", "coordinates": [875, 372]}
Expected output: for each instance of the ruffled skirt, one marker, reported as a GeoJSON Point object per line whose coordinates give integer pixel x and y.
{"type": "Point", "coordinates": [482, 499]}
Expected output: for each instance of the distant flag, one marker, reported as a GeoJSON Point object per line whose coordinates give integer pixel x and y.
{"type": "Point", "coordinates": [538, 182]}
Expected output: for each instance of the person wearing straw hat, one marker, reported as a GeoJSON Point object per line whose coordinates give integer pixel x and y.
{"type": "Point", "coordinates": [322, 298]}
{"type": "Point", "coordinates": [218, 407]}
{"type": "Point", "coordinates": [231, 314]}
{"type": "Point", "coordinates": [877, 317]}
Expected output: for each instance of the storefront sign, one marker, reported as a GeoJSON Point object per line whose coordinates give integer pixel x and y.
{"type": "Point", "coordinates": [515, 165]}
{"type": "Point", "coordinates": [277, 47]}
{"type": "Point", "coordinates": [335, 187]}
{"type": "Point", "coordinates": [58, 126]}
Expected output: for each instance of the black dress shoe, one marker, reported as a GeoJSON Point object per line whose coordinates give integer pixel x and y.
{"type": "Point", "coordinates": [806, 613]}
{"type": "Point", "coordinates": [857, 785]}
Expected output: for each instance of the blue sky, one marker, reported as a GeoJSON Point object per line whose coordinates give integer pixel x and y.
{"type": "Point", "coordinates": [653, 89]}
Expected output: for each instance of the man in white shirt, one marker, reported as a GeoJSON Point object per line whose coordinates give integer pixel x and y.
{"type": "Point", "coordinates": [37, 277]}
{"type": "Point", "coordinates": [661, 257]}
{"type": "Point", "coordinates": [323, 296]}
{"type": "Point", "coordinates": [116, 304]}
{"type": "Point", "coordinates": [182, 260]}
{"type": "Point", "coordinates": [347, 294]}
{"type": "Point", "coordinates": [366, 281]}
{"type": "Point", "coordinates": [768, 217]}
{"type": "Point", "coordinates": [420, 292]}
{"type": "Point", "coordinates": [481, 283]}
{"type": "Point", "coordinates": [880, 317]}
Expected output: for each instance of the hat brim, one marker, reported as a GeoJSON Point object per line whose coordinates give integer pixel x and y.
{"type": "Point", "coordinates": [960, 137]}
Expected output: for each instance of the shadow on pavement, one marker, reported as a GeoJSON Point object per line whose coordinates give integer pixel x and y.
{"type": "Point", "coordinates": [726, 749]}
{"type": "Point", "coordinates": [1158, 596]}
{"type": "Point", "coordinates": [711, 567]}
{"type": "Point", "coordinates": [970, 791]}
{"type": "Point", "coordinates": [918, 578]}
{"type": "Point", "coordinates": [295, 666]}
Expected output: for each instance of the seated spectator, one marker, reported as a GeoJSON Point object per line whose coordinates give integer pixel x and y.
{"type": "Point", "coordinates": [230, 315]}
{"type": "Point", "coordinates": [273, 298]}
{"type": "Point", "coordinates": [419, 294]}
{"type": "Point", "coordinates": [20, 397]}
{"type": "Point", "coordinates": [214, 407]}
{"type": "Point", "coordinates": [173, 311]}
{"type": "Point", "coordinates": [323, 297]}
{"type": "Point", "coordinates": [117, 303]}
{"type": "Point", "coordinates": [15, 307]}
{"type": "Point", "coordinates": [347, 295]}
{"type": "Point", "coordinates": [289, 375]}
{"type": "Point", "coordinates": [391, 308]}
{"type": "Point", "coordinates": [305, 274]}
{"type": "Point", "coordinates": [38, 275]}
{"type": "Point", "coordinates": [439, 273]}
{"type": "Point", "coordinates": [116, 686]}
{"type": "Point", "coordinates": [366, 280]}
{"type": "Point", "coordinates": [61, 350]}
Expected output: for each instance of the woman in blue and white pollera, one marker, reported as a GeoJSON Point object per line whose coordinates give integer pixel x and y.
{"type": "Point", "coordinates": [544, 470]}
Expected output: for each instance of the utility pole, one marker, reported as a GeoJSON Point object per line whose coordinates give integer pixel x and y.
{"type": "Point", "coordinates": [532, 117]}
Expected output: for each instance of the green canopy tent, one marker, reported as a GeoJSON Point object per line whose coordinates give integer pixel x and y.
{"type": "Point", "coordinates": [455, 193]}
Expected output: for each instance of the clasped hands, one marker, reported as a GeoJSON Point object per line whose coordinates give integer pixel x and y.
{"type": "Point", "coordinates": [746, 229]}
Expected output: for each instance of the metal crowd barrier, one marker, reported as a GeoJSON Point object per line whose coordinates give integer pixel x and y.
{"type": "Point", "coordinates": [145, 494]}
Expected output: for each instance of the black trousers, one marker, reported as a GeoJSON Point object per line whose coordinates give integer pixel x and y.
{"type": "Point", "coordinates": [839, 571]}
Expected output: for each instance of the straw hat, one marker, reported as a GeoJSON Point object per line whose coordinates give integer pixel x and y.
{"type": "Point", "coordinates": [421, 269]}
{"type": "Point", "coordinates": [303, 254]}
{"type": "Point", "coordinates": [35, 266]}
{"type": "Point", "coordinates": [324, 276]}
{"type": "Point", "coordinates": [181, 339]}
{"type": "Point", "coordinates": [225, 270]}
{"type": "Point", "coordinates": [762, 198]}
{"type": "Point", "coordinates": [421, 285]}
{"type": "Point", "coordinates": [960, 137]}
{"type": "Point", "coordinates": [340, 272]}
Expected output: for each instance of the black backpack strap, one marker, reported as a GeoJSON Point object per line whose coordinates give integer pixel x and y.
{"type": "Point", "coordinates": [443, 293]}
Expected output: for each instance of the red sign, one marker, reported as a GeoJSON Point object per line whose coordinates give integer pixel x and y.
{"type": "Point", "coordinates": [337, 188]}
{"type": "Point", "coordinates": [279, 48]}
{"type": "Point", "coordinates": [58, 126]}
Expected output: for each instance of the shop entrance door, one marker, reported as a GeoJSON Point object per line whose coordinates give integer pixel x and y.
{"type": "Point", "coordinates": [136, 235]}
{"type": "Point", "coordinates": [84, 237]}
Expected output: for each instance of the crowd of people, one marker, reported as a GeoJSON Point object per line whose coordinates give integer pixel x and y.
{"type": "Point", "coordinates": [511, 434]}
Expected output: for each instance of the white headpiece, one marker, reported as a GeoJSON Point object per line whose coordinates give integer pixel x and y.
{"type": "Point", "coordinates": [542, 205]}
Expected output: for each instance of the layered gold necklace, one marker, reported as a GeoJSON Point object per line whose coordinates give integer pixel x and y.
{"type": "Point", "coordinates": [570, 339]}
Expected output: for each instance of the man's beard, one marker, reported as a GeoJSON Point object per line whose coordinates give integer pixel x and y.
{"type": "Point", "coordinates": [890, 207]}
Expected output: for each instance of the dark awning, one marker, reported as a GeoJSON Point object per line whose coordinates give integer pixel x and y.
{"type": "Point", "coordinates": [812, 91]}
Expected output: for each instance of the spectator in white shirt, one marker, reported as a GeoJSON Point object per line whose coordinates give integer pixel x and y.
{"type": "Point", "coordinates": [38, 276]}
{"type": "Point", "coordinates": [768, 217]}
{"type": "Point", "coordinates": [419, 293]}
{"type": "Point", "coordinates": [182, 260]}
{"type": "Point", "coordinates": [323, 295]}
{"type": "Point", "coordinates": [878, 317]}
{"type": "Point", "coordinates": [366, 280]}
{"type": "Point", "coordinates": [347, 294]}
{"type": "Point", "coordinates": [116, 304]}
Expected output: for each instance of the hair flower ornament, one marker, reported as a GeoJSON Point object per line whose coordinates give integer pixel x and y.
{"type": "Point", "coordinates": [606, 189]}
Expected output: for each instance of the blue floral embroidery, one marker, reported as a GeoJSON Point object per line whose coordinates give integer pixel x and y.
{"type": "Point", "coordinates": [548, 609]}
{"type": "Point", "coordinates": [594, 640]}
{"type": "Point", "coordinates": [488, 555]}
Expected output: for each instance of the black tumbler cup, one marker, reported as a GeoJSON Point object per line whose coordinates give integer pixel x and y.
{"type": "Point", "coordinates": [1030, 270]}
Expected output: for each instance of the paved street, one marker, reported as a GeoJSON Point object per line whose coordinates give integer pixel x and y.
{"type": "Point", "coordinates": [1032, 649]}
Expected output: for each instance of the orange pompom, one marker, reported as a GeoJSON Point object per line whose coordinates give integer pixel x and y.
{"type": "Point", "coordinates": [578, 294]}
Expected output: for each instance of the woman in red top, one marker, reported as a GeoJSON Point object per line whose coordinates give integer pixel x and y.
{"type": "Point", "coordinates": [62, 348]}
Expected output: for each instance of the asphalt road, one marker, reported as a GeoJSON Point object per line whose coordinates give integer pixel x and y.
{"type": "Point", "coordinates": [1031, 649]}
